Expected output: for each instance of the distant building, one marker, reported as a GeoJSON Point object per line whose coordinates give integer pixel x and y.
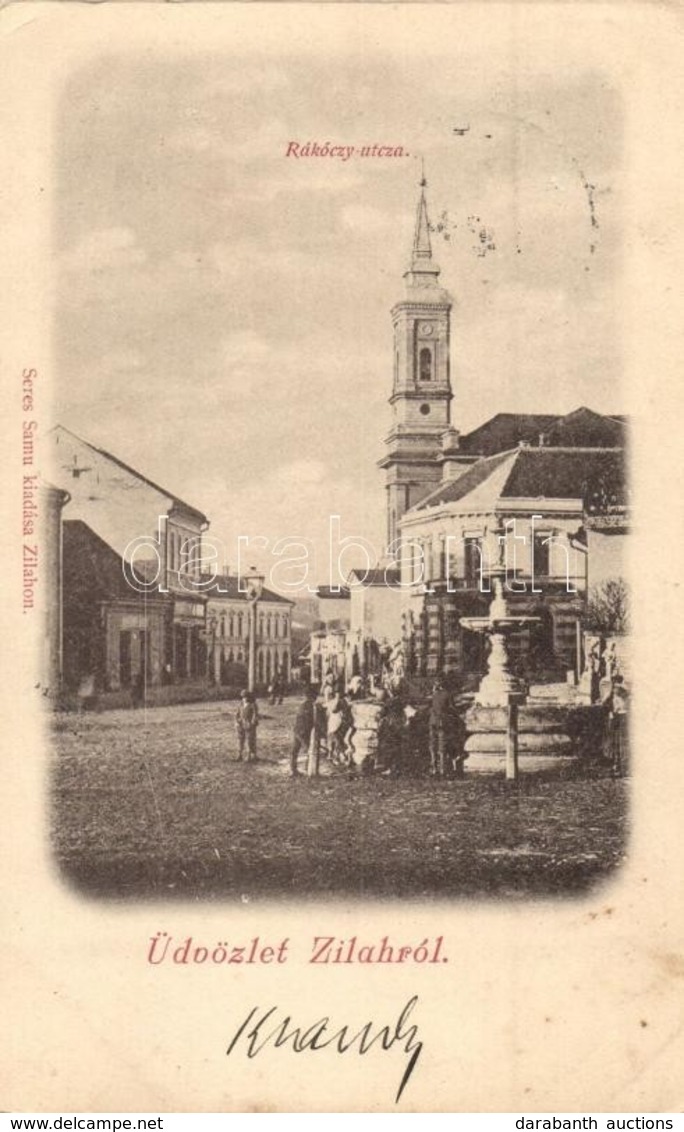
{"type": "Point", "coordinates": [328, 648]}
{"type": "Point", "coordinates": [227, 633]}
{"type": "Point", "coordinates": [132, 550]}
{"type": "Point", "coordinates": [358, 625]}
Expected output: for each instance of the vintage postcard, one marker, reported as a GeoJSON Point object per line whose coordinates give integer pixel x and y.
{"type": "Point", "coordinates": [341, 660]}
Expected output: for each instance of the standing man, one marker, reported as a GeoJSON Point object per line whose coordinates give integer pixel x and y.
{"type": "Point", "coordinates": [303, 726]}
{"type": "Point", "coordinates": [246, 723]}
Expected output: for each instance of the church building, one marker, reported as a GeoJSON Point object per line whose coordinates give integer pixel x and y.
{"type": "Point", "coordinates": [519, 485]}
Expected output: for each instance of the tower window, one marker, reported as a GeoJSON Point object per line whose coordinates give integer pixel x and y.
{"type": "Point", "coordinates": [425, 410]}
{"type": "Point", "coordinates": [425, 369]}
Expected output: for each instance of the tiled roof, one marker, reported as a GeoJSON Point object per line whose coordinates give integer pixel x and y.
{"type": "Point", "coordinates": [590, 474]}
{"type": "Point", "coordinates": [92, 566]}
{"type": "Point", "coordinates": [506, 431]}
{"type": "Point", "coordinates": [581, 428]}
{"type": "Point", "coordinates": [586, 429]}
{"type": "Point", "coordinates": [594, 475]}
{"type": "Point", "coordinates": [452, 490]}
{"type": "Point", "coordinates": [227, 588]}
{"type": "Point", "coordinates": [328, 591]}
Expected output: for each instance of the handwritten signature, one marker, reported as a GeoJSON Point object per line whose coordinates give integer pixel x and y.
{"type": "Point", "coordinates": [262, 1029]}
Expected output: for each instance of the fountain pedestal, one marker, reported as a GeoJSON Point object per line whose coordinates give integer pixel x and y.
{"type": "Point", "coordinates": [499, 686]}
{"type": "Point", "coordinates": [541, 736]}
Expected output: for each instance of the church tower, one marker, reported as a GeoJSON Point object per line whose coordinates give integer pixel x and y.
{"type": "Point", "coordinates": [421, 433]}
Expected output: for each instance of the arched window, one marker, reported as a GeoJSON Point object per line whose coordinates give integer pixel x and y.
{"type": "Point", "coordinates": [239, 620]}
{"type": "Point", "coordinates": [425, 371]}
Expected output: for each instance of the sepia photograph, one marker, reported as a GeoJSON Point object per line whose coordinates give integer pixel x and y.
{"type": "Point", "coordinates": [341, 668]}
{"type": "Point", "coordinates": [338, 482]}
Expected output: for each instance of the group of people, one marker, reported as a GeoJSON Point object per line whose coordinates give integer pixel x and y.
{"type": "Point", "coordinates": [326, 721]}
{"type": "Point", "coordinates": [324, 728]}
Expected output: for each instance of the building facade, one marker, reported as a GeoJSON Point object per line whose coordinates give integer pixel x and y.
{"type": "Point", "coordinates": [133, 612]}
{"type": "Point", "coordinates": [227, 633]}
{"type": "Point", "coordinates": [330, 636]}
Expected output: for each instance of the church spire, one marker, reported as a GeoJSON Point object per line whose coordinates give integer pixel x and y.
{"type": "Point", "coordinates": [422, 248]}
{"type": "Point", "coordinates": [423, 270]}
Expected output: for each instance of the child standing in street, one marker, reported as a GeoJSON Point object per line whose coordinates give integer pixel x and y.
{"type": "Point", "coordinates": [246, 723]}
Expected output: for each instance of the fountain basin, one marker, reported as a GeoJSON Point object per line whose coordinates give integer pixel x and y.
{"type": "Point", "coordinates": [551, 737]}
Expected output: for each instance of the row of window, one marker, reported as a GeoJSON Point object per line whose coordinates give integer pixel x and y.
{"type": "Point", "coordinates": [270, 626]}
{"type": "Point", "coordinates": [474, 560]}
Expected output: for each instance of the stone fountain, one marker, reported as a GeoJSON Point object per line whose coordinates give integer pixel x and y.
{"type": "Point", "coordinates": [504, 730]}
{"type": "Point", "coordinates": [499, 686]}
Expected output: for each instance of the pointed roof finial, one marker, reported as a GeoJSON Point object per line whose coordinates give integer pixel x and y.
{"type": "Point", "coordinates": [422, 248]}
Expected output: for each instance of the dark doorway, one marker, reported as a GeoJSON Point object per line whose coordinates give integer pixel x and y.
{"type": "Point", "coordinates": [125, 658]}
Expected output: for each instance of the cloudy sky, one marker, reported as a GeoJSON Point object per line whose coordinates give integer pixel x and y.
{"type": "Point", "coordinates": [223, 315]}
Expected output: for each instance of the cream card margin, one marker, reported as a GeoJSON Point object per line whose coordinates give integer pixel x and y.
{"type": "Point", "coordinates": [87, 1024]}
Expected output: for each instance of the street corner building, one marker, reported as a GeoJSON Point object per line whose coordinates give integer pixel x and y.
{"type": "Point", "coordinates": [130, 552]}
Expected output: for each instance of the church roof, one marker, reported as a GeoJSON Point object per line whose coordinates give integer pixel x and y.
{"type": "Point", "coordinates": [594, 475]}
{"type": "Point", "coordinates": [581, 428]}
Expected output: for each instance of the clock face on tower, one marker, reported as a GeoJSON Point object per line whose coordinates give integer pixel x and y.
{"type": "Point", "coordinates": [425, 328]}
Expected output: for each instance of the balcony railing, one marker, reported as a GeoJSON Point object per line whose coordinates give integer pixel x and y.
{"type": "Point", "coordinates": [513, 585]}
